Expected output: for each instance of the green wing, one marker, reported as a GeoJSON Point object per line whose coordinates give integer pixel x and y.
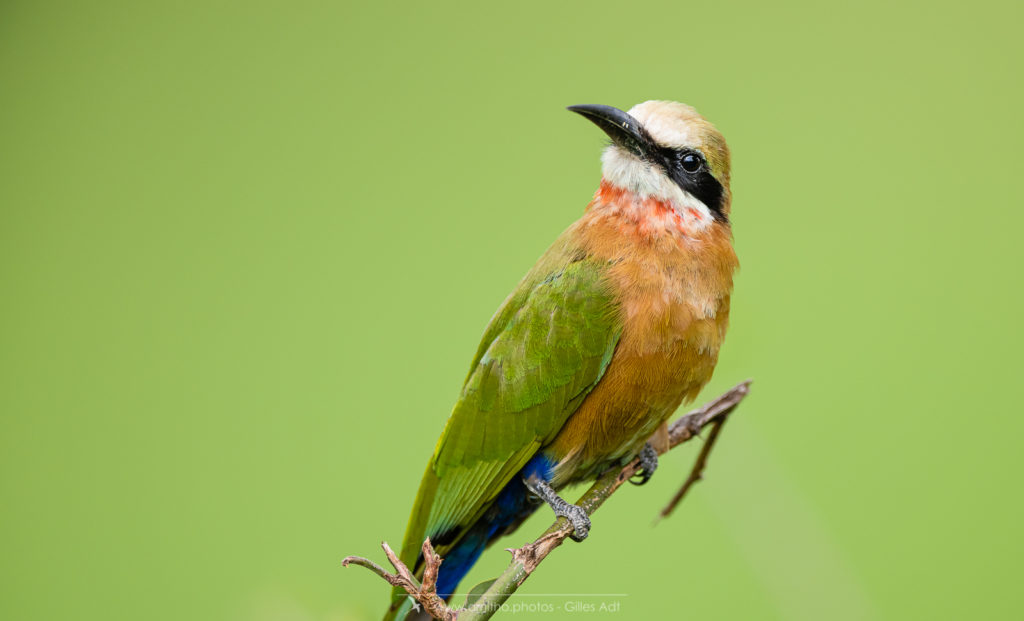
{"type": "Point", "coordinates": [545, 349]}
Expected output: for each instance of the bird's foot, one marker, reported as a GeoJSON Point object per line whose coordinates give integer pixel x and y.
{"type": "Point", "coordinates": [648, 464]}
{"type": "Point", "coordinates": [578, 518]}
{"type": "Point", "coordinates": [575, 514]}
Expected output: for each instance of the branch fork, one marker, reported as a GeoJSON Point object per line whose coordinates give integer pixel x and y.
{"type": "Point", "coordinates": [425, 594]}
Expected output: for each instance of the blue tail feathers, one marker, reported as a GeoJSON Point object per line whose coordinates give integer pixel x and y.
{"type": "Point", "coordinates": [511, 507]}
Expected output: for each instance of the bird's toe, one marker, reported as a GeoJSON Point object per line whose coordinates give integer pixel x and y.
{"type": "Point", "coordinates": [648, 464]}
{"type": "Point", "coordinates": [580, 522]}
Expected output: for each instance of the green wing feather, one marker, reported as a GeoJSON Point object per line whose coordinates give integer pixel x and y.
{"type": "Point", "coordinates": [544, 350]}
{"type": "Point", "coordinates": [522, 389]}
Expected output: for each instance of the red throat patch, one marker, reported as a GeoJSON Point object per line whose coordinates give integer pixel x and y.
{"type": "Point", "coordinates": [647, 215]}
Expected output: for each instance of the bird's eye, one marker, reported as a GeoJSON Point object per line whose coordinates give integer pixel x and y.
{"type": "Point", "coordinates": [691, 162]}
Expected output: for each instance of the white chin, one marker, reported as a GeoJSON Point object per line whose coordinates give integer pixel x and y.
{"type": "Point", "coordinates": [625, 170]}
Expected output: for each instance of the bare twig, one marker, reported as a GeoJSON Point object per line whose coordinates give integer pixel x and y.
{"type": "Point", "coordinates": [426, 593]}
{"type": "Point", "coordinates": [526, 559]}
{"type": "Point", "coordinates": [714, 413]}
{"type": "Point", "coordinates": [697, 472]}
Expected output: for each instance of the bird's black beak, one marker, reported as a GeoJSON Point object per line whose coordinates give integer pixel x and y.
{"type": "Point", "coordinates": [623, 129]}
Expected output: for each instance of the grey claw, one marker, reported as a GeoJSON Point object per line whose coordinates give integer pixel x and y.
{"type": "Point", "coordinates": [648, 464]}
{"type": "Point", "coordinates": [575, 514]}
{"type": "Point", "coordinates": [579, 519]}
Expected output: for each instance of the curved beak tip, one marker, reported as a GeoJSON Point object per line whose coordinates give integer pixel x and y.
{"type": "Point", "coordinates": [594, 109]}
{"type": "Point", "coordinates": [622, 128]}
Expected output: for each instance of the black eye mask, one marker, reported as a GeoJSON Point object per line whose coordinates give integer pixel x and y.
{"type": "Point", "coordinates": [681, 166]}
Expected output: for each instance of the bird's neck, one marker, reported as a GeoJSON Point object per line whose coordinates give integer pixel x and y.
{"type": "Point", "coordinates": [651, 214]}
{"type": "Point", "coordinates": [667, 271]}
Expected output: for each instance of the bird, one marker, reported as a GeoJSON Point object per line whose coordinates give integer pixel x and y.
{"type": "Point", "coordinates": [617, 324]}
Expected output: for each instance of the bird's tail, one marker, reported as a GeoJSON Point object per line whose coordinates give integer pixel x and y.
{"type": "Point", "coordinates": [511, 507]}
{"type": "Point", "coordinates": [457, 563]}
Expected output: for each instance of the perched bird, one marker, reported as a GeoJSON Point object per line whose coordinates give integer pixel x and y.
{"type": "Point", "coordinates": [617, 324]}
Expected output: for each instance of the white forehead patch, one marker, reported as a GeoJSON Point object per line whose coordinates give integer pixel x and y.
{"type": "Point", "coordinates": [668, 122]}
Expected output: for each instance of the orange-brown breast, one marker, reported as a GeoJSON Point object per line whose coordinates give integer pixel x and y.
{"type": "Point", "coordinates": [673, 288]}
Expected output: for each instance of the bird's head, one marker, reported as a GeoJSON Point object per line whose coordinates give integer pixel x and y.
{"type": "Point", "coordinates": [666, 151]}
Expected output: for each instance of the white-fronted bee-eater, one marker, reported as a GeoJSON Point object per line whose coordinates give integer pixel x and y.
{"type": "Point", "coordinates": [617, 324]}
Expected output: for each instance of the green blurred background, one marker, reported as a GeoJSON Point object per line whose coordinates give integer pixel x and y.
{"type": "Point", "coordinates": [247, 250]}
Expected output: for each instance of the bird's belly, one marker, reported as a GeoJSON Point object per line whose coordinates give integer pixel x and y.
{"type": "Point", "coordinates": [639, 391]}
